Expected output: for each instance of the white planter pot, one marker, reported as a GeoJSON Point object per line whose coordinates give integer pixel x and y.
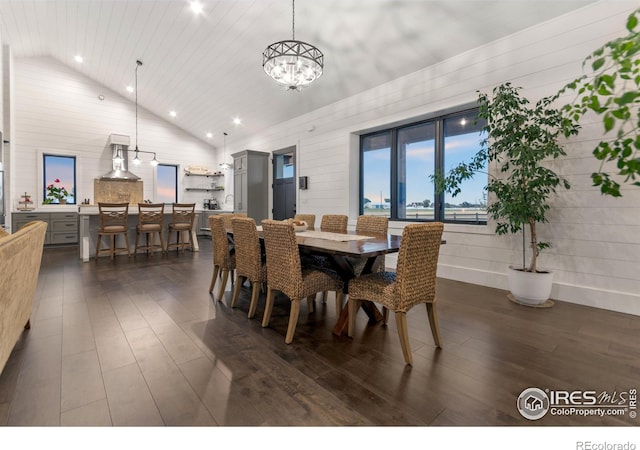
{"type": "Point", "coordinates": [528, 287]}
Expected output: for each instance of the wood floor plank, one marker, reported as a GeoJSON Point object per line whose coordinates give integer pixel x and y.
{"type": "Point", "coordinates": [141, 342]}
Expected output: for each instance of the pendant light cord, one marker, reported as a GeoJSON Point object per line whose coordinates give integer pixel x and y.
{"type": "Point", "coordinates": [293, 26]}
{"type": "Point", "coordinates": [138, 64]}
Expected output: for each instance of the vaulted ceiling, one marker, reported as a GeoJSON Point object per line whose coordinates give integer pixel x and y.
{"type": "Point", "coordinates": [208, 67]}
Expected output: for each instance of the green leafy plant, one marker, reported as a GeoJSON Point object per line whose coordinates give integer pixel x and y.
{"type": "Point", "coordinates": [518, 138]}
{"type": "Point", "coordinates": [612, 91]}
{"type": "Point", "coordinates": [55, 192]}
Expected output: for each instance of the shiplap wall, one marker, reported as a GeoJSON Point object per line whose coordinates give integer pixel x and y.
{"type": "Point", "coordinates": [596, 239]}
{"type": "Point", "coordinates": [57, 110]}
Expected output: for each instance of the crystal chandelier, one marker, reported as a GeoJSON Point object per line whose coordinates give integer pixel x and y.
{"type": "Point", "coordinates": [293, 64]}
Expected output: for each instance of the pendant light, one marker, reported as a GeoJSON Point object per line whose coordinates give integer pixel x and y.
{"type": "Point", "coordinates": [293, 64]}
{"type": "Point", "coordinates": [136, 158]}
{"type": "Point", "coordinates": [224, 165]}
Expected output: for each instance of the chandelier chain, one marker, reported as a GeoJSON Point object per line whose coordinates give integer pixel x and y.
{"type": "Point", "coordinates": [293, 21]}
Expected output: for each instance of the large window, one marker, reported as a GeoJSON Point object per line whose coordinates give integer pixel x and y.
{"type": "Point", "coordinates": [397, 165]}
{"type": "Point", "coordinates": [59, 179]}
{"type": "Point", "coordinates": [167, 183]}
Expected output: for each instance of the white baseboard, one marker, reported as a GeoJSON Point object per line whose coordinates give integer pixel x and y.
{"type": "Point", "coordinates": [611, 300]}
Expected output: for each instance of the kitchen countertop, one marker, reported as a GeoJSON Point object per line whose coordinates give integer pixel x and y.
{"type": "Point", "coordinates": [92, 210]}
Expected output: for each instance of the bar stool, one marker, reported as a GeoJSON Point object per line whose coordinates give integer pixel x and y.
{"type": "Point", "coordinates": [182, 221]}
{"type": "Point", "coordinates": [150, 223]}
{"type": "Point", "coordinates": [113, 222]}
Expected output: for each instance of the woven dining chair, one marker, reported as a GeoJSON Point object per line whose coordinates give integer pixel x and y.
{"type": "Point", "coordinates": [223, 261]}
{"type": "Point", "coordinates": [310, 219]}
{"type": "Point", "coordinates": [285, 274]}
{"type": "Point", "coordinates": [114, 219]}
{"type": "Point", "coordinates": [334, 223]}
{"type": "Point", "coordinates": [250, 264]}
{"type": "Point", "coordinates": [367, 225]}
{"type": "Point", "coordinates": [413, 283]}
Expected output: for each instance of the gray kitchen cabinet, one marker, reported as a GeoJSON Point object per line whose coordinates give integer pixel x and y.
{"type": "Point", "coordinates": [251, 184]}
{"type": "Point", "coordinates": [62, 227]}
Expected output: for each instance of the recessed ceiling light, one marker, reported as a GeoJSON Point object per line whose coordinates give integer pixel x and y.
{"type": "Point", "coordinates": [129, 88]}
{"type": "Point", "coordinates": [173, 114]}
{"type": "Point", "coordinates": [78, 58]}
{"type": "Point", "coordinates": [209, 135]}
{"type": "Point", "coordinates": [196, 7]}
{"type": "Point", "coordinates": [237, 121]}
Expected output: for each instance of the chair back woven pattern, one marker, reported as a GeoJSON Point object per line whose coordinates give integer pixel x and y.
{"type": "Point", "coordinates": [417, 264]}
{"type": "Point", "coordinates": [221, 255]}
{"type": "Point", "coordinates": [228, 217]}
{"type": "Point", "coordinates": [372, 225]}
{"type": "Point", "coordinates": [284, 272]}
{"type": "Point", "coordinates": [334, 223]}
{"type": "Point", "coordinates": [113, 216]}
{"type": "Point", "coordinates": [310, 219]}
{"type": "Point", "coordinates": [150, 214]}
{"type": "Point", "coordinates": [183, 214]}
{"type": "Point", "coordinates": [247, 248]}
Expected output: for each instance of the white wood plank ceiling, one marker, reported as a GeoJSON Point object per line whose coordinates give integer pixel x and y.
{"type": "Point", "coordinates": [208, 67]}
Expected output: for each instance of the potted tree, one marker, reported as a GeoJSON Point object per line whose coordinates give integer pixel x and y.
{"type": "Point", "coordinates": [611, 91]}
{"type": "Point", "coordinates": [518, 139]}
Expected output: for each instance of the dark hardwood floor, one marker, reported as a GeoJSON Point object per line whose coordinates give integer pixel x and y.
{"type": "Point", "coordinates": [141, 342]}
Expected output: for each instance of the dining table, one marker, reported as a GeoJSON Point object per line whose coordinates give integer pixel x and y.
{"type": "Point", "coordinates": [340, 250]}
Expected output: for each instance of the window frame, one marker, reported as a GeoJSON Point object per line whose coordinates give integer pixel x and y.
{"type": "Point", "coordinates": [439, 160]}
{"type": "Point", "coordinates": [177, 171]}
{"type": "Point", "coordinates": [43, 176]}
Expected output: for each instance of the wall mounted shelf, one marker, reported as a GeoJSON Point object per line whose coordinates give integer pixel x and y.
{"type": "Point", "coordinates": [205, 189]}
{"type": "Point", "coordinates": [204, 175]}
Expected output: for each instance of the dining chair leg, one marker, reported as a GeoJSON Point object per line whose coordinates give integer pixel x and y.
{"type": "Point", "coordinates": [385, 315]}
{"type": "Point", "coordinates": [311, 303]}
{"type": "Point", "coordinates": [401, 323]}
{"type": "Point", "coordinates": [433, 323]}
{"type": "Point", "coordinates": [113, 246]}
{"type": "Point", "coordinates": [354, 306]}
{"type": "Point", "coordinates": [213, 278]}
{"type": "Point", "coordinates": [223, 284]}
{"type": "Point", "coordinates": [236, 291]}
{"type": "Point", "coordinates": [255, 292]}
{"type": "Point", "coordinates": [268, 307]}
{"type": "Point", "coordinates": [339, 302]}
{"type": "Point", "coordinates": [293, 321]}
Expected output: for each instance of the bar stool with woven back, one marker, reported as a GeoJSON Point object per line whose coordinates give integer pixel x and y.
{"type": "Point", "coordinates": [183, 215]}
{"type": "Point", "coordinates": [150, 224]}
{"type": "Point", "coordinates": [113, 219]}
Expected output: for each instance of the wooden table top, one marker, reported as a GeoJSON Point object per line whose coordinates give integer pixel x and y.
{"type": "Point", "coordinates": [366, 248]}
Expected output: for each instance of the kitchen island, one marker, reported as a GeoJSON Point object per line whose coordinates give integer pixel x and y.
{"type": "Point", "coordinates": [89, 222]}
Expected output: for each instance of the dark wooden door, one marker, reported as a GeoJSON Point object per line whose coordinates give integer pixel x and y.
{"type": "Point", "coordinates": [284, 186]}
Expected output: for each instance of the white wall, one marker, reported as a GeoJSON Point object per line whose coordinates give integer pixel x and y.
{"type": "Point", "coordinates": [57, 109]}
{"type": "Point", "coordinates": [596, 239]}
